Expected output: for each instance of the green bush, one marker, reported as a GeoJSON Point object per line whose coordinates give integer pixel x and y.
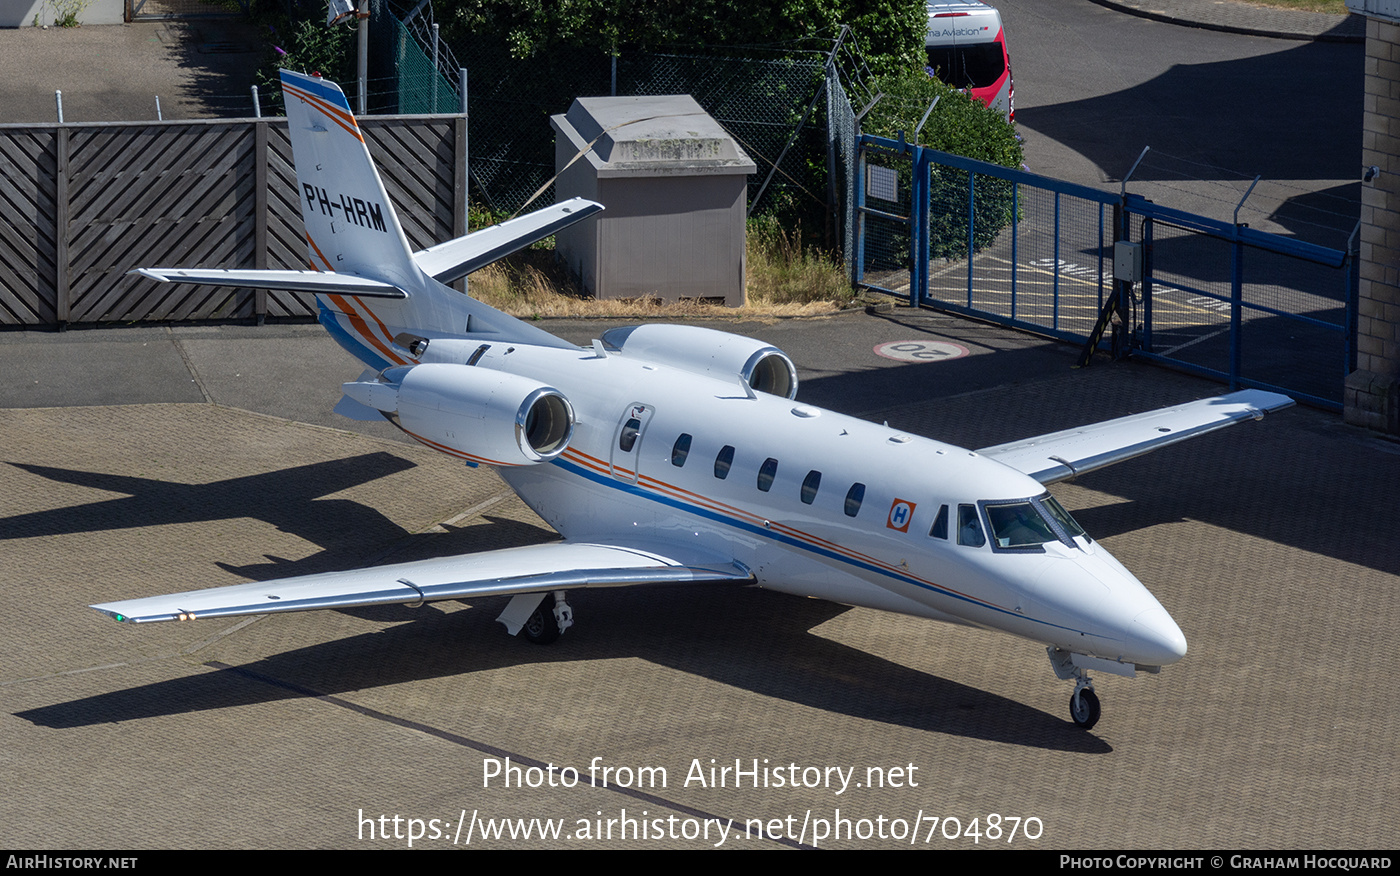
{"type": "Point", "coordinates": [306, 44]}
{"type": "Point", "coordinates": [959, 125]}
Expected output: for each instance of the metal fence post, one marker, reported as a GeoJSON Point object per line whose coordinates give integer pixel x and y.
{"type": "Point", "coordinates": [260, 209]}
{"type": "Point", "coordinates": [918, 198]}
{"type": "Point", "coordinates": [858, 269]}
{"type": "Point", "coordinates": [1147, 283]}
{"type": "Point", "coordinates": [1236, 312]}
{"type": "Point", "coordinates": [971, 228]}
{"type": "Point", "coordinates": [1122, 289]}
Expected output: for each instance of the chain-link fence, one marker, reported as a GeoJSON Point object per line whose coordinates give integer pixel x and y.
{"type": "Point", "coordinates": [772, 106]}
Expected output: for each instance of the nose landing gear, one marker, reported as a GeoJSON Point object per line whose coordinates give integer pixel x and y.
{"type": "Point", "coordinates": [1084, 703]}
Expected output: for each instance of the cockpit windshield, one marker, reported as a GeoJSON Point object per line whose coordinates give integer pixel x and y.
{"type": "Point", "coordinates": [1019, 525]}
{"type": "Point", "coordinates": [1061, 516]}
{"type": "Point", "coordinates": [1030, 523]}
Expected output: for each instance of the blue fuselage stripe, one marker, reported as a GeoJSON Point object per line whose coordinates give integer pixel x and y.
{"type": "Point", "coordinates": [633, 490]}
{"type": "Point", "coordinates": [360, 350]}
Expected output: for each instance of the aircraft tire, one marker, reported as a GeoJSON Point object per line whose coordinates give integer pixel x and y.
{"type": "Point", "coordinates": [1084, 708]}
{"type": "Point", "coordinates": [541, 628]}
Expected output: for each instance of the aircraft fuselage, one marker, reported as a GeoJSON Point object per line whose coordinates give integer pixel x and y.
{"type": "Point", "coordinates": [819, 503]}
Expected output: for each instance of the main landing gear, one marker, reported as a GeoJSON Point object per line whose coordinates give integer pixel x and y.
{"type": "Point", "coordinates": [545, 620]}
{"type": "Point", "coordinates": [1084, 703]}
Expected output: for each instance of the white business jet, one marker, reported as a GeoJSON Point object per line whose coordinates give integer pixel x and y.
{"type": "Point", "coordinates": [673, 454]}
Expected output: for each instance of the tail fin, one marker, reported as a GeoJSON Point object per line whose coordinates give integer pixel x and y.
{"type": "Point", "coordinates": [351, 228]}
{"type": "Point", "coordinates": [350, 225]}
{"type": "Point", "coordinates": [370, 286]}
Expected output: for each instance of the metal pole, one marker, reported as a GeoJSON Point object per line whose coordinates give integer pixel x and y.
{"type": "Point", "coordinates": [613, 92]}
{"type": "Point", "coordinates": [58, 99]}
{"type": "Point", "coordinates": [159, 117]}
{"type": "Point", "coordinates": [1122, 192]}
{"type": "Point", "coordinates": [928, 112]}
{"type": "Point", "coordinates": [257, 105]}
{"type": "Point", "coordinates": [362, 66]}
{"type": "Point", "coordinates": [1245, 198]}
{"type": "Point", "coordinates": [465, 178]}
{"type": "Point", "coordinates": [436, 75]}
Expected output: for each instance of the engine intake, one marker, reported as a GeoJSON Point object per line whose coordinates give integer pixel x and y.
{"type": "Point", "coordinates": [486, 416]}
{"type": "Point", "coordinates": [711, 353]}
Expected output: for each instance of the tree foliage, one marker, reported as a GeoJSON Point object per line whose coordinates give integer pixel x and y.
{"type": "Point", "coordinates": [889, 31]}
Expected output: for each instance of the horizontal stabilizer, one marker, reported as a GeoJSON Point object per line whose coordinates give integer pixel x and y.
{"type": "Point", "coordinates": [1062, 455]}
{"type": "Point", "coordinates": [314, 282]}
{"type": "Point", "coordinates": [456, 258]}
{"type": "Point", "coordinates": [533, 569]}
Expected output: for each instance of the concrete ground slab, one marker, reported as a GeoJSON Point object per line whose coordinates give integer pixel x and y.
{"type": "Point", "coordinates": [1266, 542]}
{"type": "Point", "coordinates": [114, 73]}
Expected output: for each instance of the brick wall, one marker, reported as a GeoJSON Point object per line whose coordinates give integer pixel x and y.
{"type": "Point", "coordinates": [1373, 391]}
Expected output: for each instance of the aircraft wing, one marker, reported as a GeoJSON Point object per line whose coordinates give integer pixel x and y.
{"type": "Point", "coordinates": [1063, 455]}
{"type": "Point", "coordinates": [292, 281]}
{"type": "Point", "coordinates": [532, 569]}
{"type": "Point", "coordinates": [456, 258]}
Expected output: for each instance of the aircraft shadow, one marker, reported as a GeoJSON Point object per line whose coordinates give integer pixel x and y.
{"type": "Point", "coordinates": [1243, 106]}
{"type": "Point", "coordinates": [692, 629]}
{"type": "Point", "coordinates": [289, 499]}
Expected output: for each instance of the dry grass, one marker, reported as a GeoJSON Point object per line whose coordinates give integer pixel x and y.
{"type": "Point", "coordinates": [784, 280]}
{"type": "Point", "coordinates": [1335, 7]}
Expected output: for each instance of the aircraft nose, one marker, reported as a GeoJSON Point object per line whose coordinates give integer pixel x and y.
{"type": "Point", "coordinates": [1155, 638]}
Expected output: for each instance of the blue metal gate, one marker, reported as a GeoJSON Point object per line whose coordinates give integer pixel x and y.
{"type": "Point", "coordinates": [1220, 300]}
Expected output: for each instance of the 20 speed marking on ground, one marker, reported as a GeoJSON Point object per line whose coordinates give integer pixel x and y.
{"type": "Point", "coordinates": [921, 351]}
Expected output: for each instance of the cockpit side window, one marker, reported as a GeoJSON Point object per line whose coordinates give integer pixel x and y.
{"type": "Point", "coordinates": [970, 527]}
{"type": "Point", "coordinates": [939, 529]}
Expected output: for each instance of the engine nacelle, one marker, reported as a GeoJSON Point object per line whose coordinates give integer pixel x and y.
{"type": "Point", "coordinates": [486, 416]}
{"type": "Point", "coordinates": [709, 352]}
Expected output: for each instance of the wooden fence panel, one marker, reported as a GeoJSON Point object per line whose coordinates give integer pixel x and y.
{"type": "Point", "coordinates": [28, 248]}
{"type": "Point", "coordinates": [166, 196]}
{"type": "Point", "coordinates": [88, 203]}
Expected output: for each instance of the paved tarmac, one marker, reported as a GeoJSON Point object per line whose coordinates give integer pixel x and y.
{"type": "Point", "coordinates": [114, 73]}
{"type": "Point", "coordinates": [146, 460]}
{"type": "Point", "coordinates": [150, 460]}
{"type": "Point", "coordinates": [1232, 16]}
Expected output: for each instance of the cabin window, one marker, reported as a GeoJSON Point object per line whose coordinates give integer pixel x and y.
{"type": "Point", "coordinates": [810, 485]}
{"type": "Point", "coordinates": [680, 450]}
{"type": "Point", "coordinates": [628, 439]}
{"type": "Point", "coordinates": [970, 527]}
{"type": "Point", "coordinates": [767, 473]}
{"type": "Point", "coordinates": [939, 529]}
{"type": "Point", "coordinates": [854, 496]}
{"type": "Point", "coordinates": [723, 461]}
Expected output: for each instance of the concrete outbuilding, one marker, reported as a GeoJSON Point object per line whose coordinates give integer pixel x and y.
{"type": "Point", "coordinates": [674, 184]}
